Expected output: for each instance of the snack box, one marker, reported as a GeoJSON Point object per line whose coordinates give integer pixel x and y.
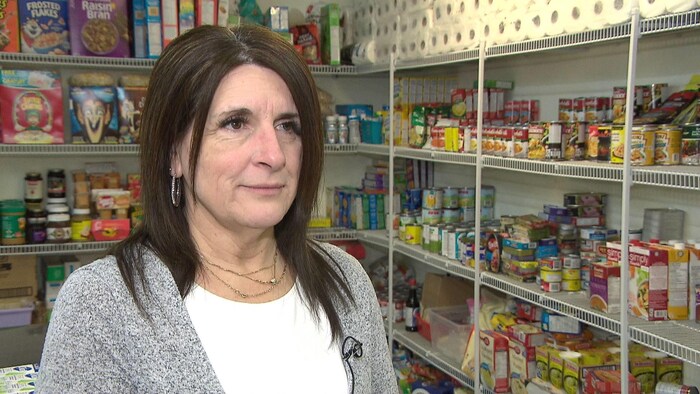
{"type": "Point", "coordinates": [526, 334]}
{"type": "Point", "coordinates": [594, 199]}
{"type": "Point", "coordinates": [44, 27]}
{"type": "Point", "coordinates": [110, 229]}
{"type": "Point", "coordinates": [99, 28]}
{"type": "Point", "coordinates": [31, 107]}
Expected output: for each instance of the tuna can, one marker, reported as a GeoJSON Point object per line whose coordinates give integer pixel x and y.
{"type": "Point", "coordinates": [571, 261]}
{"type": "Point", "coordinates": [550, 275]}
{"type": "Point", "coordinates": [450, 198]}
{"type": "Point", "coordinates": [432, 198]}
{"type": "Point", "coordinates": [570, 274]}
{"type": "Point", "coordinates": [571, 285]}
{"type": "Point", "coordinates": [690, 145]}
{"type": "Point", "coordinates": [550, 287]}
{"type": "Point", "coordinates": [667, 145]}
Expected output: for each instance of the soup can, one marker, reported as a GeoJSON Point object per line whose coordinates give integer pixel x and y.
{"type": "Point", "coordinates": [690, 144]}
{"type": "Point", "coordinates": [667, 145]}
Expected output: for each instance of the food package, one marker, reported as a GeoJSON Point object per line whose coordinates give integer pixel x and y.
{"type": "Point", "coordinates": [99, 28]}
{"type": "Point", "coordinates": [44, 27]}
{"type": "Point", "coordinates": [307, 40]}
{"type": "Point", "coordinates": [93, 109]}
{"type": "Point", "coordinates": [131, 97]}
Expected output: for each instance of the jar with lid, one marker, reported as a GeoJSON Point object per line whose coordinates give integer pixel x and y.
{"type": "Point", "coordinates": [80, 224]}
{"type": "Point", "coordinates": [33, 188]}
{"type": "Point", "coordinates": [343, 129]}
{"type": "Point", "coordinates": [36, 226]}
{"type": "Point", "coordinates": [354, 129]}
{"type": "Point", "coordinates": [12, 222]}
{"type": "Point", "coordinates": [56, 183]}
{"type": "Point", "coordinates": [331, 130]}
{"type": "Point", "coordinates": [57, 208]}
{"type": "Point", "coordinates": [58, 228]}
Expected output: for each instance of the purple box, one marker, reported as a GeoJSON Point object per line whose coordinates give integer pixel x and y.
{"type": "Point", "coordinates": [44, 27]}
{"type": "Point", "coordinates": [16, 317]}
{"type": "Point", "coordinates": [99, 28]}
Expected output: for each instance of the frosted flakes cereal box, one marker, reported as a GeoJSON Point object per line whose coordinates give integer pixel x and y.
{"type": "Point", "coordinates": [99, 28]}
{"type": "Point", "coordinates": [44, 27]}
{"type": "Point", "coordinates": [9, 26]}
{"type": "Point", "coordinates": [31, 107]}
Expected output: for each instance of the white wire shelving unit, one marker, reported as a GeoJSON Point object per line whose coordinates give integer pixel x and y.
{"type": "Point", "coordinates": [60, 248]}
{"type": "Point", "coordinates": [680, 339]}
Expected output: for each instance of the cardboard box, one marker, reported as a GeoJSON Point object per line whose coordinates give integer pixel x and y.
{"type": "Point", "coordinates": [678, 270]}
{"type": "Point", "coordinates": [494, 368]}
{"type": "Point", "coordinates": [9, 18]}
{"type": "Point", "coordinates": [18, 276]}
{"type": "Point", "coordinates": [604, 287]}
{"type": "Point", "coordinates": [648, 285]}
{"type": "Point", "coordinates": [153, 29]}
{"type": "Point", "coordinates": [86, 100]}
{"type": "Point", "coordinates": [139, 28]}
{"type": "Point", "coordinates": [694, 282]}
{"type": "Point", "coordinates": [186, 16]}
{"type": "Point", "coordinates": [43, 27]}
{"type": "Point", "coordinates": [99, 28]}
{"type": "Point", "coordinates": [442, 290]}
{"type": "Point", "coordinates": [110, 229]}
{"type": "Point", "coordinates": [330, 36]}
{"type": "Point", "coordinates": [169, 20]}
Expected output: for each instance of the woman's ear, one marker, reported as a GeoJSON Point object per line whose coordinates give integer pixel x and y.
{"type": "Point", "coordinates": [175, 164]}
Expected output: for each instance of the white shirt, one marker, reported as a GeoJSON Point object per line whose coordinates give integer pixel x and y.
{"type": "Point", "coordinates": [273, 347]}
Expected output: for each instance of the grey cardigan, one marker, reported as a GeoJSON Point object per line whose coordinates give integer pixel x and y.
{"type": "Point", "coordinates": [97, 340]}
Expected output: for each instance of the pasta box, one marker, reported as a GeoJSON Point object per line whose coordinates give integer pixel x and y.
{"type": "Point", "coordinates": [31, 107]}
{"type": "Point", "coordinates": [99, 28]}
{"type": "Point", "coordinates": [44, 27]}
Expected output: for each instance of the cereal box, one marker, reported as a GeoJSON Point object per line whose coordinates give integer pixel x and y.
{"type": "Point", "coordinates": [31, 108]}
{"type": "Point", "coordinates": [99, 28]}
{"type": "Point", "coordinates": [131, 98]}
{"type": "Point", "coordinates": [44, 27]}
{"type": "Point", "coordinates": [93, 114]}
{"type": "Point", "coordinates": [9, 26]}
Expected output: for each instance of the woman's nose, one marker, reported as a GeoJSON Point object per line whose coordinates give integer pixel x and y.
{"type": "Point", "coordinates": [268, 148]}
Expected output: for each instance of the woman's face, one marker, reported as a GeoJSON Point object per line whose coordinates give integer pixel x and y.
{"type": "Point", "coordinates": [249, 163]}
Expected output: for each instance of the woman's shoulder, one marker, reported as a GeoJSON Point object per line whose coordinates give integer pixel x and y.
{"type": "Point", "coordinates": [343, 260]}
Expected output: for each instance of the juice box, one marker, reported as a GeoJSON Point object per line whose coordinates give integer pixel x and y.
{"type": "Point", "coordinates": [9, 26]}
{"type": "Point", "coordinates": [648, 285]}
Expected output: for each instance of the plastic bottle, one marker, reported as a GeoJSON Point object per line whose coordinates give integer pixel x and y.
{"type": "Point", "coordinates": [331, 130]}
{"type": "Point", "coordinates": [354, 129]}
{"type": "Point", "coordinates": [411, 307]}
{"type": "Point", "coordinates": [343, 130]}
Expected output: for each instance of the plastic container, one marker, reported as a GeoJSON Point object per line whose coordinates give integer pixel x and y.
{"type": "Point", "coordinates": [450, 327]}
{"type": "Point", "coordinates": [16, 317]}
{"type": "Point", "coordinates": [12, 222]}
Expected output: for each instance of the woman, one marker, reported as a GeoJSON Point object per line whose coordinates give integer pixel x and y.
{"type": "Point", "coordinates": [220, 290]}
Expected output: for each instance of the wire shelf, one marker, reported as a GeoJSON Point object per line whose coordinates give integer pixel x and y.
{"type": "Point", "coordinates": [375, 237]}
{"type": "Point", "coordinates": [434, 260]}
{"type": "Point", "coordinates": [680, 339]}
{"type": "Point", "coordinates": [49, 249]}
{"type": "Point", "coordinates": [373, 149]}
{"type": "Point", "coordinates": [332, 234]}
{"type": "Point", "coordinates": [420, 346]}
{"type": "Point", "coordinates": [69, 150]}
{"type": "Point", "coordinates": [340, 148]}
{"type": "Point", "coordinates": [671, 22]}
{"type": "Point", "coordinates": [438, 60]}
{"type": "Point", "coordinates": [436, 156]}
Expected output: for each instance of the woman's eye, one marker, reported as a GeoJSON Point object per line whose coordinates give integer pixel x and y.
{"type": "Point", "coordinates": [289, 127]}
{"type": "Point", "coordinates": [233, 123]}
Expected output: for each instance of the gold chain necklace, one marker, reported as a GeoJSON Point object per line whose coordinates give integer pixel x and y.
{"type": "Point", "coordinates": [247, 275]}
{"type": "Point", "coordinates": [246, 295]}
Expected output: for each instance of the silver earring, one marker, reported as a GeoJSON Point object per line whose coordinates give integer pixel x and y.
{"type": "Point", "coordinates": [175, 190]}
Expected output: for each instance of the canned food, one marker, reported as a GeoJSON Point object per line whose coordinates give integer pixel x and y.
{"type": "Point", "coordinates": [550, 287]}
{"type": "Point", "coordinates": [432, 198]}
{"type": "Point", "coordinates": [550, 275]}
{"type": "Point", "coordinates": [667, 145]}
{"type": "Point", "coordinates": [570, 274]}
{"type": "Point", "coordinates": [551, 263]}
{"type": "Point", "coordinates": [571, 285]}
{"type": "Point", "coordinates": [571, 261]}
{"type": "Point", "coordinates": [425, 234]}
{"type": "Point", "coordinates": [435, 241]}
{"type": "Point", "coordinates": [575, 148]}
{"type": "Point", "coordinates": [536, 141]}
{"type": "Point", "coordinates": [520, 142]}
{"type": "Point", "coordinates": [467, 196]}
{"type": "Point", "coordinates": [431, 216]}
{"type": "Point", "coordinates": [414, 199]}
{"type": "Point", "coordinates": [450, 198]}
{"type": "Point", "coordinates": [642, 145]}
{"type": "Point", "coordinates": [554, 142]}
{"type": "Point", "coordinates": [617, 144]}
{"type": "Point", "coordinates": [414, 234]}
{"type": "Point", "coordinates": [690, 145]}
{"type": "Point", "coordinates": [451, 215]}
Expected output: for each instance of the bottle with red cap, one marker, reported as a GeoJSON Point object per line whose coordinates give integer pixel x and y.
{"type": "Point", "coordinates": [411, 307]}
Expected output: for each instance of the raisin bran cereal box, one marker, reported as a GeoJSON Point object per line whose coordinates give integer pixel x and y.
{"type": "Point", "coordinates": [31, 107]}
{"type": "Point", "coordinates": [99, 28]}
{"type": "Point", "coordinates": [9, 26]}
{"type": "Point", "coordinates": [44, 27]}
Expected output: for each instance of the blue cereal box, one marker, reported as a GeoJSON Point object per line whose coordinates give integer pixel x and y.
{"type": "Point", "coordinates": [44, 27]}
{"type": "Point", "coordinates": [93, 109]}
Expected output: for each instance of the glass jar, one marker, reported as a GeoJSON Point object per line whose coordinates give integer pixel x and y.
{"type": "Point", "coordinates": [57, 208]}
{"type": "Point", "coordinates": [12, 222]}
{"type": "Point", "coordinates": [33, 188]}
{"type": "Point", "coordinates": [56, 183]}
{"type": "Point", "coordinates": [36, 226]}
{"type": "Point", "coordinates": [58, 228]}
{"type": "Point", "coordinates": [80, 224]}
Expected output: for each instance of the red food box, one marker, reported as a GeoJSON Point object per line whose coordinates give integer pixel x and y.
{"type": "Point", "coordinates": [31, 107]}
{"type": "Point", "coordinates": [110, 229]}
{"type": "Point", "coordinates": [9, 26]}
{"type": "Point", "coordinates": [610, 382]}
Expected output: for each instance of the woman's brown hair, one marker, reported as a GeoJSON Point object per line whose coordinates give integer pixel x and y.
{"type": "Point", "coordinates": [180, 92]}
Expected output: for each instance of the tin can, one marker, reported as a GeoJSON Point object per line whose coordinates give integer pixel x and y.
{"type": "Point", "coordinates": [550, 263]}
{"type": "Point", "coordinates": [642, 145]}
{"type": "Point", "coordinates": [425, 236]}
{"type": "Point", "coordinates": [451, 215]}
{"type": "Point", "coordinates": [431, 216]}
{"type": "Point", "coordinates": [550, 287]}
{"type": "Point", "coordinates": [550, 275]}
{"type": "Point", "coordinates": [617, 144]}
{"type": "Point", "coordinates": [576, 141]}
{"type": "Point", "coordinates": [554, 141]}
{"type": "Point", "coordinates": [435, 241]}
{"type": "Point", "coordinates": [571, 261]}
{"type": "Point", "coordinates": [520, 142]}
{"type": "Point", "coordinates": [690, 145]}
{"type": "Point", "coordinates": [536, 141]}
{"type": "Point", "coordinates": [570, 274]}
{"type": "Point", "coordinates": [467, 197]}
{"type": "Point", "coordinates": [414, 234]}
{"type": "Point", "coordinates": [398, 311]}
{"type": "Point", "coordinates": [450, 198]}
{"type": "Point", "coordinates": [414, 198]}
{"type": "Point", "coordinates": [432, 198]}
{"type": "Point", "coordinates": [571, 285]}
{"type": "Point", "coordinates": [404, 220]}
{"type": "Point", "coordinates": [667, 145]}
